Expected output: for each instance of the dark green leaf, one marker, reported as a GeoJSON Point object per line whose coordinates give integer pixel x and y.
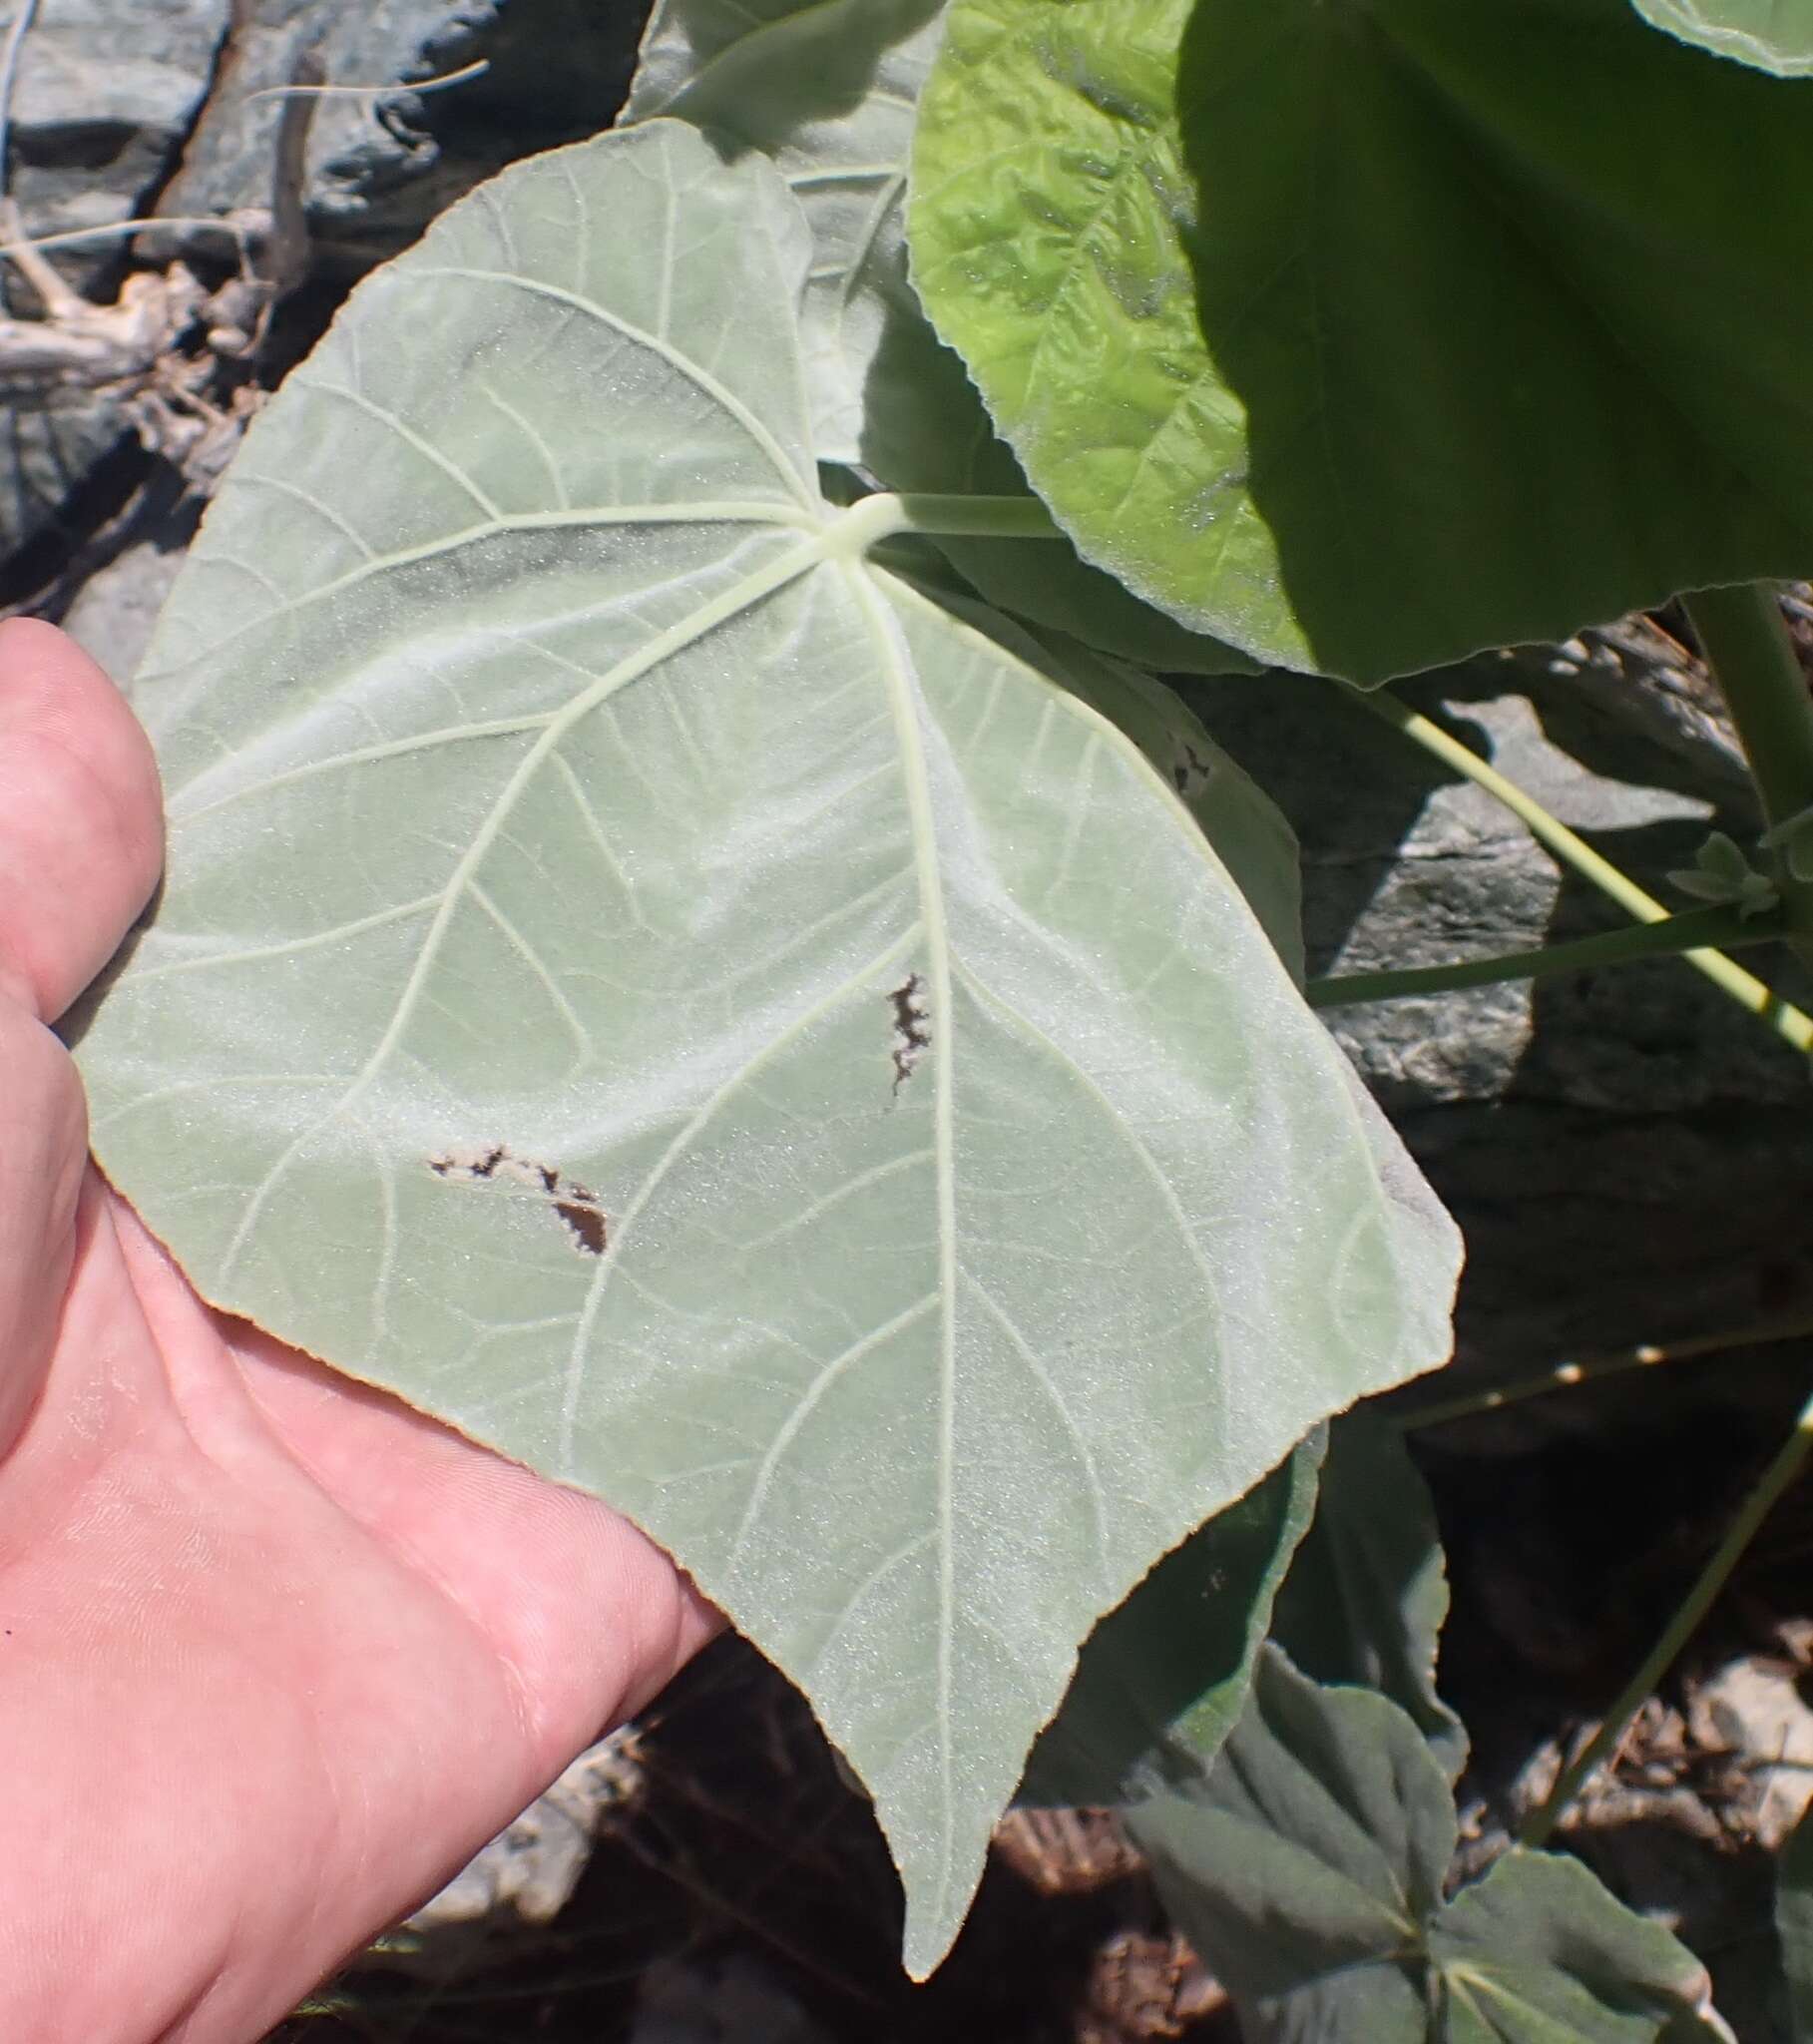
{"type": "Point", "coordinates": [1537, 1952]}
{"type": "Point", "coordinates": [1165, 1677]}
{"type": "Point", "coordinates": [1367, 1593]}
{"type": "Point", "coordinates": [826, 89]}
{"type": "Point", "coordinates": [1794, 1925]}
{"type": "Point", "coordinates": [1307, 1867]}
{"type": "Point", "coordinates": [1367, 335]}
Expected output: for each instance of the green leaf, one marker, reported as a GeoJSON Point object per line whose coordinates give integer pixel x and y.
{"type": "Point", "coordinates": [1367, 1593]}
{"type": "Point", "coordinates": [1720, 873]}
{"type": "Point", "coordinates": [1163, 1679]}
{"type": "Point", "coordinates": [1365, 336]}
{"type": "Point", "coordinates": [1250, 834]}
{"type": "Point", "coordinates": [1537, 1952]}
{"type": "Point", "coordinates": [1307, 1867]}
{"type": "Point", "coordinates": [643, 984]}
{"type": "Point", "coordinates": [1771, 34]}
{"type": "Point", "coordinates": [827, 90]}
{"type": "Point", "coordinates": [1794, 1925]}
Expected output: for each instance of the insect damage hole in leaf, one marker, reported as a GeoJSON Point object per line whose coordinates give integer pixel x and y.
{"type": "Point", "coordinates": [571, 1202]}
{"type": "Point", "coordinates": [626, 787]}
{"type": "Point", "coordinates": [912, 1027]}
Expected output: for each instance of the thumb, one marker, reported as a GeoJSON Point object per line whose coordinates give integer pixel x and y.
{"type": "Point", "coordinates": [80, 836]}
{"type": "Point", "coordinates": [81, 829]}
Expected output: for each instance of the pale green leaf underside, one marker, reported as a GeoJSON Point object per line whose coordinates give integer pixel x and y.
{"type": "Point", "coordinates": [1770, 35]}
{"type": "Point", "coordinates": [1251, 835]}
{"type": "Point", "coordinates": [1161, 1681]}
{"type": "Point", "coordinates": [1344, 332]}
{"type": "Point", "coordinates": [828, 90]}
{"type": "Point", "coordinates": [556, 788]}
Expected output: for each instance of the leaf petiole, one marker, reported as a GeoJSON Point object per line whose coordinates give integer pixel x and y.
{"type": "Point", "coordinates": [1786, 1020]}
{"type": "Point", "coordinates": [1748, 649]}
{"type": "Point", "coordinates": [931, 511]}
{"type": "Point", "coordinates": [1690, 931]}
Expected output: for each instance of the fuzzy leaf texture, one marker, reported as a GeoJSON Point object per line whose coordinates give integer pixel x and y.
{"type": "Point", "coordinates": [1367, 333]}
{"type": "Point", "coordinates": [827, 90]}
{"type": "Point", "coordinates": [1770, 35]}
{"type": "Point", "coordinates": [644, 984]}
{"type": "Point", "coordinates": [1308, 1864]}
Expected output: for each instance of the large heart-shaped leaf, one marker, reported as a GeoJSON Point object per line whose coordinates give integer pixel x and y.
{"type": "Point", "coordinates": [642, 982]}
{"type": "Point", "coordinates": [1308, 1866]}
{"type": "Point", "coordinates": [1250, 834]}
{"type": "Point", "coordinates": [1365, 336]}
{"type": "Point", "coordinates": [828, 89]}
{"type": "Point", "coordinates": [1771, 34]}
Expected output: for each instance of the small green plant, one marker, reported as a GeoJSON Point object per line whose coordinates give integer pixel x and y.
{"type": "Point", "coordinates": [697, 948]}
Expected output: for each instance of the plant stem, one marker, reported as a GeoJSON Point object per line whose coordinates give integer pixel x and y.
{"type": "Point", "coordinates": [1746, 645]}
{"type": "Point", "coordinates": [976, 517]}
{"type": "Point", "coordinates": [1781, 1016]}
{"type": "Point", "coordinates": [1680, 1628]}
{"type": "Point", "coordinates": [1590, 1370]}
{"type": "Point", "coordinates": [1677, 933]}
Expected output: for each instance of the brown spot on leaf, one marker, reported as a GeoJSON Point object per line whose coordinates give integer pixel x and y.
{"type": "Point", "coordinates": [587, 1223]}
{"type": "Point", "coordinates": [912, 1035]}
{"type": "Point", "coordinates": [573, 1205]}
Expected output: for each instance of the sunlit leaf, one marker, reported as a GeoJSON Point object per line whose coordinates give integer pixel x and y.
{"type": "Point", "coordinates": [1365, 336]}
{"type": "Point", "coordinates": [828, 89]}
{"type": "Point", "coordinates": [644, 983]}
{"type": "Point", "coordinates": [1771, 34]}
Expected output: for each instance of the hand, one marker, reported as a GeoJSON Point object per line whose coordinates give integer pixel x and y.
{"type": "Point", "coordinates": [276, 1653]}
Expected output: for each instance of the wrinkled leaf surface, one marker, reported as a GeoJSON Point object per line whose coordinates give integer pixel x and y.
{"type": "Point", "coordinates": [647, 986]}
{"type": "Point", "coordinates": [828, 90]}
{"type": "Point", "coordinates": [1364, 337]}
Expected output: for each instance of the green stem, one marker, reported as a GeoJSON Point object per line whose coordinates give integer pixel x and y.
{"type": "Point", "coordinates": [1590, 1370]}
{"type": "Point", "coordinates": [1786, 1020]}
{"type": "Point", "coordinates": [1690, 932]}
{"type": "Point", "coordinates": [975, 517]}
{"type": "Point", "coordinates": [1680, 1628]}
{"type": "Point", "coordinates": [1746, 643]}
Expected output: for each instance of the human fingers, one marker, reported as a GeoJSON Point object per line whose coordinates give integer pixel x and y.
{"type": "Point", "coordinates": [43, 1149]}
{"type": "Point", "coordinates": [81, 819]}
